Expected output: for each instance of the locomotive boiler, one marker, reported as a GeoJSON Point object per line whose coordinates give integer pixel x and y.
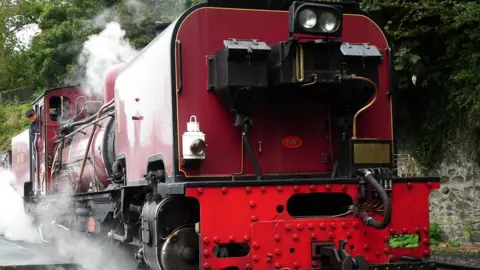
{"type": "Point", "coordinates": [244, 136]}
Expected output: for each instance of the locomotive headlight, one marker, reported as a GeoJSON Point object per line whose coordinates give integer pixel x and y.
{"type": "Point", "coordinates": [193, 141]}
{"type": "Point", "coordinates": [315, 19]}
{"type": "Point", "coordinates": [328, 22]}
{"type": "Point", "coordinates": [307, 18]}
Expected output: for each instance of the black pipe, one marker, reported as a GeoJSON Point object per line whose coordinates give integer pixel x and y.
{"type": "Point", "coordinates": [256, 167]}
{"type": "Point", "coordinates": [64, 129]}
{"type": "Point", "coordinates": [30, 151]}
{"type": "Point", "coordinates": [60, 155]}
{"type": "Point", "coordinates": [107, 155]}
{"type": "Point", "coordinates": [387, 214]}
{"type": "Point", "coordinates": [334, 171]}
{"type": "Point", "coordinates": [362, 194]}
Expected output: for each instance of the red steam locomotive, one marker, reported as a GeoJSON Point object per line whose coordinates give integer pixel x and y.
{"type": "Point", "coordinates": [246, 135]}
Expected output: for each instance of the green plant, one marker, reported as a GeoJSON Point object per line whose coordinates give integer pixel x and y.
{"type": "Point", "coordinates": [12, 122]}
{"type": "Point", "coordinates": [453, 244]}
{"type": "Point", "coordinates": [435, 236]}
{"type": "Point", "coordinates": [404, 241]}
{"type": "Point", "coordinates": [468, 231]}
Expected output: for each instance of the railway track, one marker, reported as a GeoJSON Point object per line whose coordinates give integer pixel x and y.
{"type": "Point", "coordinates": [24, 256]}
{"type": "Point", "coordinates": [429, 265]}
{"type": "Point", "coordinates": [448, 266]}
{"type": "Point", "coordinates": [400, 266]}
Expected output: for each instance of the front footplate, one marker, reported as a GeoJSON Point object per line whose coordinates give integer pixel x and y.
{"type": "Point", "coordinates": [333, 243]}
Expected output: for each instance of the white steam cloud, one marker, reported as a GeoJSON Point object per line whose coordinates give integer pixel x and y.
{"type": "Point", "coordinates": [15, 224]}
{"type": "Point", "coordinates": [57, 242]}
{"type": "Point", "coordinates": [100, 53]}
{"type": "Point", "coordinates": [64, 243]}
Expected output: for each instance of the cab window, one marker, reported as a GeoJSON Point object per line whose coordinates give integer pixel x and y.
{"type": "Point", "coordinates": [59, 108]}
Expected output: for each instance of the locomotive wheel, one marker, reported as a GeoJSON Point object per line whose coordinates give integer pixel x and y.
{"type": "Point", "coordinates": [180, 250]}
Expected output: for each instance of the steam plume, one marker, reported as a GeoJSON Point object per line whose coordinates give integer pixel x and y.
{"type": "Point", "coordinates": [64, 244]}
{"type": "Point", "coordinates": [15, 224]}
{"type": "Point", "coordinates": [100, 53]}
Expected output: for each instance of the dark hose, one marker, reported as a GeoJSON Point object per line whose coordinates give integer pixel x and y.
{"type": "Point", "coordinates": [387, 215]}
{"type": "Point", "coordinates": [247, 146]}
{"type": "Point", "coordinates": [362, 190]}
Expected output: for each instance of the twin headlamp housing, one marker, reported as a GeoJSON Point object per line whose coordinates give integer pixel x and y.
{"type": "Point", "coordinates": [315, 19]}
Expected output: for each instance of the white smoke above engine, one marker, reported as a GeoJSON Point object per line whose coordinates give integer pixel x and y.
{"type": "Point", "coordinates": [99, 54]}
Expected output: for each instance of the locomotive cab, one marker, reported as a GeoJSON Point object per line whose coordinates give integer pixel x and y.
{"type": "Point", "coordinates": [53, 108]}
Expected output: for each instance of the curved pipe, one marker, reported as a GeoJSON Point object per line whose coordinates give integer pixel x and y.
{"type": "Point", "coordinates": [366, 106]}
{"type": "Point", "coordinates": [88, 120]}
{"type": "Point", "coordinates": [87, 150]}
{"type": "Point", "coordinates": [387, 215]}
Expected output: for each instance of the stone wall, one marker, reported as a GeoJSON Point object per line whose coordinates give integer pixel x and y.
{"type": "Point", "coordinates": [455, 207]}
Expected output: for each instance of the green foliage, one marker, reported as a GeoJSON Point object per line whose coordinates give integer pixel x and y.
{"type": "Point", "coordinates": [404, 241]}
{"type": "Point", "coordinates": [435, 40]}
{"type": "Point", "coordinates": [435, 236]}
{"type": "Point", "coordinates": [453, 244]}
{"type": "Point", "coordinates": [12, 122]}
{"type": "Point", "coordinates": [64, 26]}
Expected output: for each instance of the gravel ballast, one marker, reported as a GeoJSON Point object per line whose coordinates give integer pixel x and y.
{"type": "Point", "coordinates": [465, 255]}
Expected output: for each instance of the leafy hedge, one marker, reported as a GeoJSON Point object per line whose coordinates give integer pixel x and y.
{"type": "Point", "coordinates": [12, 122]}
{"type": "Point", "coordinates": [435, 41]}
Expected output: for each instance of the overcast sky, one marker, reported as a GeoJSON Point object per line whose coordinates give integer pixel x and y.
{"type": "Point", "coordinates": [26, 35]}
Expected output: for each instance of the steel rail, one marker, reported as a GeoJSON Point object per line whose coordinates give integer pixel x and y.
{"type": "Point", "coordinates": [455, 266]}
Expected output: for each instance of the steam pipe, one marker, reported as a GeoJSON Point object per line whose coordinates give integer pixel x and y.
{"type": "Point", "coordinates": [387, 215]}
{"type": "Point", "coordinates": [366, 106]}
{"type": "Point", "coordinates": [85, 121]}
{"type": "Point", "coordinates": [256, 167]}
{"type": "Point", "coordinates": [89, 124]}
{"type": "Point", "coordinates": [90, 141]}
{"type": "Point", "coordinates": [76, 104]}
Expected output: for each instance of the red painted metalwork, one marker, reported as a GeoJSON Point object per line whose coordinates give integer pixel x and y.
{"type": "Point", "coordinates": [51, 128]}
{"type": "Point", "coordinates": [290, 138]}
{"type": "Point", "coordinates": [73, 156]}
{"type": "Point", "coordinates": [202, 33]}
{"type": "Point", "coordinates": [272, 235]}
{"type": "Point", "coordinates": [292, 142]}
{"type": "Point", "coordinates": [20, 159]}
{"type": "Point", "coordinates": [144, 127]}
{"type": "Point", "coordinates": [49, 122]}
{"type": "Point", "coordinates": [110, 77]}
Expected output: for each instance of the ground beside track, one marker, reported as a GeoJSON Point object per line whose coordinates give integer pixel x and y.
{"type": "Point", "coordinates": [465, 255]}
{"type": "Point", "coordinates": [22, 253]}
